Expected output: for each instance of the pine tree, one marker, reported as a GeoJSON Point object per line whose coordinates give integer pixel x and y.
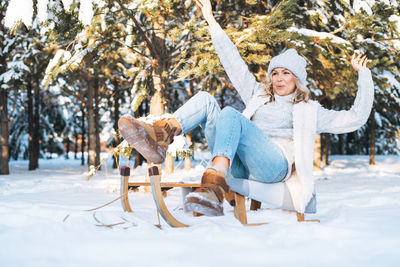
{"type": "Point", "coordinates": [14, 69]}
{"type": "Point", "coordinates": [7, 44]}
{"type": "Point", "coordinates": [163, 50]}
{"type": "Point", "coordinates": [328, 33]}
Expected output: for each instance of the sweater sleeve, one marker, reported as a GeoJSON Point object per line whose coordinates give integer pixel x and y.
{"type": "Point", "coordinates": [238, 72]}
{"type": "Point", "coordinates": [344, 121]}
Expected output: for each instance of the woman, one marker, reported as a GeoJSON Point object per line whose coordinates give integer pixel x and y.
{"type": "Point", "coordinates": [275, 132]}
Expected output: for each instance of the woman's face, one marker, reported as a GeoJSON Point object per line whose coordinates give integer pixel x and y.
{"type": "Point", "coordinates": [283, 81]}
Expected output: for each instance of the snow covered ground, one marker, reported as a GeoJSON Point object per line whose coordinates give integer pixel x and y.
{"type": "Point", "coordinates": [43, 222]}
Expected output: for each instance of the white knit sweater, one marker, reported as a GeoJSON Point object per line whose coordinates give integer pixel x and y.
{"type": "Point", "coordinates": [309, 119]}
{"type": "Point", "coordinates": [275, 119]}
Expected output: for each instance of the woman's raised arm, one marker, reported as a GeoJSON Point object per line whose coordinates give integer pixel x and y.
{"type": "Point", "coordinates": [238, 72]}
{"type": "Point", "coordinates": [344, 121]}
{"type": "Point", "coordinates": [206, 10]}
{"type": "Point", "coordinates": [359, 62]}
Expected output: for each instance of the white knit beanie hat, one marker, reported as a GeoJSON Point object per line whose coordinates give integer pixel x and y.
{"type": "Point", "coordinates": [292, 61]}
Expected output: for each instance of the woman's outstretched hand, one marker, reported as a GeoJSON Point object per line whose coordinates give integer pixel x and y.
{"type": "Point", "coordinates": [206, 9]}
{"type": "Point", "coordinates": [359, 62]}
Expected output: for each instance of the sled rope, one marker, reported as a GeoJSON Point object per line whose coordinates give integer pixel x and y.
{"type": "Point", "coordinates": [159, 221]}
{"type": "Point", "coordinates": [101, 224]}
{"type": "Point", "coordinates": [112, 201]}
{"type": "Point", "coordinates": [66, 217]}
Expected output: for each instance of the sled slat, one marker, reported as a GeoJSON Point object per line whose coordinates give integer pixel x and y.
{"type": "Point", "coordinates": [300, 218]}
{"type": "Point", "coordinates": [125, 172]}
{"type": "Point", "coordinates": [240, 208]}
{"type": "Point", "coordinates": [165, 184]}
{"type": "Point", "coordinates": [159, 200]}
{"type": "Point", "coordinates": [255, 205]}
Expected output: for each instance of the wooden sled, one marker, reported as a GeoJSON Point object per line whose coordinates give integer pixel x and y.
{"type": "Point", "coordinates": [235, 199]}
{"type": "Point", "coordinates": [163, 186]}
{"type": "Point", "coordinates": [241, 214]}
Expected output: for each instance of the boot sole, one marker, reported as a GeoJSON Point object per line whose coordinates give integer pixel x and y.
{"type": "Point", "coordinates": [202, 206]}
{"type": "Point", "coordinates": [139, 139]}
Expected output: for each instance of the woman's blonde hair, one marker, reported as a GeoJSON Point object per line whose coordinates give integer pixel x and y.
{"type": "Point", "coordinates": [301, 92]}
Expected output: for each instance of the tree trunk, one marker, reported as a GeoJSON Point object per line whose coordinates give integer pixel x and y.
{"type": "Point", "coordinates": [4, 169]}
{"type": "Point", "coordinates": [372, 139]}
{"type": "Point", "coordinates": [190, 91]}
{"type": "Point", "coordinates": [4, 134]}
{"type": "Point", "coordinates": [347, 150]}
{"type": "Point", "coordinates": [169, 164]}
{"type": "Point", "coordinates": [317, 153]}
{"type": "Point", "coordinates": [325, 153]}
{"type": "Point", "coordinates": [340, 144]}
{"type": "Point", "coordinates": [116, 117]}
{"type": "Point", "coordinates": [159, 74]}
{"type": "Point", "coordinates": [159, 68]}
{"type": "Point", "coordinates": [83, 143]}
{"type": "Point", "coordinates": [188, 164]}
{"type": "Point", "coordinates": [68, 148]}
{"type": "Point", "coordinates": [157, 104]}
{"type": "Point", "coordinates": [31, 153]}
{"type": "Point", "coordinates": [76, 146]}
{"type": "Point", "coordinates": [92, 130]}
{"type": "Point", "coordinates": [36, 126]}
{"type": "Point", "coordinates": [97, 124]}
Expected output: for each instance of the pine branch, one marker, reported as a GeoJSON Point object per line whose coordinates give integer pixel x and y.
{"type": "Point", "coordinates": [387, 39]}
{"type": "Point", "coordinates": [153, 51]}
{"type": "Point", "coordinates": [340, 29]}
{"type": "Point", "coordinates": [176, 66]}
{"type": "Point", "coordinates": [182, 45]}
{"type": "Point", "coordinates": [183, 78]}
{"type": "Point", "coordinates": [131, 48]}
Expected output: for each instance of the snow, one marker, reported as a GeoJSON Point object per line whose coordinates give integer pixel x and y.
{"type": "Point", "coordinates": [18, 65]}
{"type": "Point", "coordinates": [43, 222]}
{"type": "Point", "coordinates": [365, 5]}
{"type": "Point", "coordinates": [22, 10]}
{"type": "Point", "coordinates": [16, 70]}
{"type": "Point", "coordinates": [55, 61]}
{"type": "Point", "coordinates": [51, 68]}
{"type": "Point", "coordinates": [148, 4]}
{"type": "Point", "coordinates": [6, 77]}
{"type": "Point", "coordinates": [393, 82]}
{"type": "Point", "coordinates": [74, 61]}
{"type": "Point", "coordinates": [321, 35]}
{"type": "Point", "coordinates": [67, 4]}
{"type": "Point", "coordinates": [19, 10]}
{"type": "Point", "coordinates": [42, 10]}
{"type": "Point", "coordinates": [134, 4]}
{"type": "Point", "coordinates": [86, 11]}
{"type": "Point", "coordinates": [91, 172]}
{"type": "Point", "coordinates": [391, 79]}
{"type": "Point", "coordinates": [180, 144]}
{"type": "Point", "coordinates": [63, 61]}
{"type": "Point", "coordinates": [396, 20]}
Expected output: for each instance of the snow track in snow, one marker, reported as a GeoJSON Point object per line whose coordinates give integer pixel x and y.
{"type": "Point", "coordinates": [43, 222]}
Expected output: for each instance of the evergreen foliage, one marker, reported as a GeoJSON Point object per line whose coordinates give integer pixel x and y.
{"type": "Point", "coordinates": [135, 50]}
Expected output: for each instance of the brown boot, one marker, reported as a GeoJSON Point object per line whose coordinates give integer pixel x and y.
{"type": "Point", "coordinates": [209, 197]}
{"type": "Point", "coordinates": [149, 140]}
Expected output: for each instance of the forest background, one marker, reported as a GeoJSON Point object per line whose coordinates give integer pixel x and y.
{"type": "Point", "coordinates": [70, 68]}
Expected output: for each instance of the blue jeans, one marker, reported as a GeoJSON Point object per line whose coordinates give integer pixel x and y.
{"type": "Point", "coordinates": [252, 154]}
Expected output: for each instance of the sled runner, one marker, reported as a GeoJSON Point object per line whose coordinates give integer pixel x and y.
{"type": "Point", "coordinates": [235, 199]}
{"type": "Point", "coordinates": [162, 186]}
